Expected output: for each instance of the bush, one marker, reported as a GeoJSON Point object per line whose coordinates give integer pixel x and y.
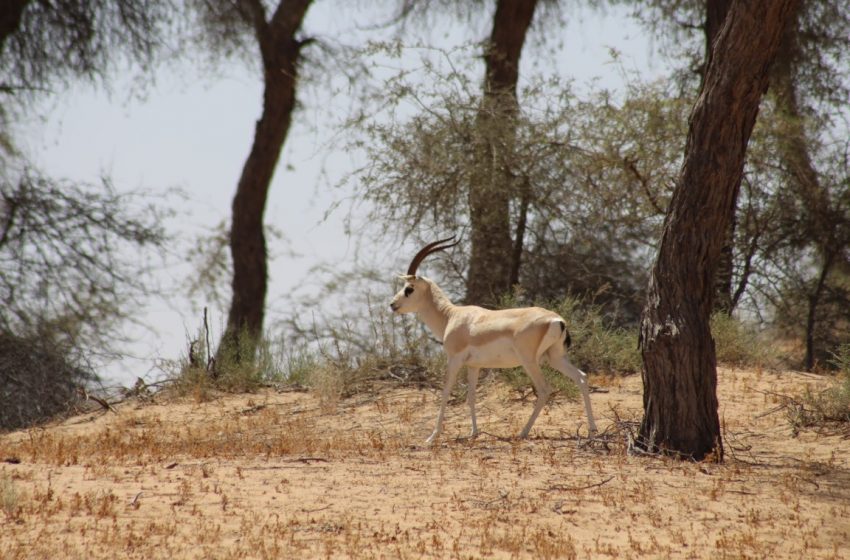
{"type": "Point", "coordinates": [598, 347]}
{"type": "Point", "coordinates": [39, 379]}
{"type": "Point", "coordinates": [334, 360]}
{"type": "Point", "coordinates": [830, 406]}
{"type": "Point", "coordinates": [198, 373]}
{"type": "Point", "coordinates": [738, 344]}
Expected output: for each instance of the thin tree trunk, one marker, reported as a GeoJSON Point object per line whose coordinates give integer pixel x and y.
{"type": "Point", "coordinates": [811, 316]}
{"type": "Point", "coordinates": [680, 375]}
{"type": "Point", "coordinates": [490, 192]}
{"type": "Point", "coordinates": [519, 237]}
{"type": "Point", "coordinates": [280, 52]}
{"type": "Point", "coordinates": [746, 271]}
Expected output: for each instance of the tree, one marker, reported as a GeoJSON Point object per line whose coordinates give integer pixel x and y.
{"type": "Point", "coordinates": [679, 376]}
{"type": "Point", "coordinates": [276, 34]}
{"type": "Point", "coordinates": [62, 244]}
{"type": "Point", "coordinates": [72, 262]}
{"type": "Point", "coordinates": [715, 15]}
{"type": "Point", "coordinates": [73, 258]}
{"type": "Point", "coordinates": [494, 259]}
{"type": "Point", "coordinates": [789, 253]}
{"type": "Point", "coordinates": [43, 42]}
{"type": "Point", "coordinates": [824, 220]}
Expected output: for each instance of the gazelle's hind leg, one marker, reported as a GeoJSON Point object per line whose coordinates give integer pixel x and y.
{"type": "Point", "coordinates": [471, 384]}
{"type": "Point", "coordinates": [559, 361]}
{"type": "Point", "coordinates": [543, 389]}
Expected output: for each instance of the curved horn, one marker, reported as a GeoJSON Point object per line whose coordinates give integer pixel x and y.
{"type": "Point", "coordinates": [427, 250]}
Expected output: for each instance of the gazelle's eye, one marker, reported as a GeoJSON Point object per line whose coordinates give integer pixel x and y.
{"type": "Point", "coordinates": [408, 290]}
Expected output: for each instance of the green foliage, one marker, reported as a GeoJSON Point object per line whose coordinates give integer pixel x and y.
{"type": "Point", "coordinates": [830, 406]}
{"type": "Point", "coordinates": [739, 344]}
{"type": "Point", "coordinates": [200, 374]}
{"type": "Point", "coordinates": [597, 346]}
{"type": "Point", "coordinates": [334, 360]}
{"type": "Point", "coordinates": [591, 174]}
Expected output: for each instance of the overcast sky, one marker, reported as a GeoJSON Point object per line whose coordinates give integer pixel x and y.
{"type": "Point", "coordinates": [194, 132]}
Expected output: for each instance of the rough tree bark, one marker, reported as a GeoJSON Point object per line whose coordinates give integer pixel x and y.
{"type": "Point", "coordinates": [715, 15]}
{"type": "Point", "coordinates": [679, 374]}
{"type": "Point", "coordinates": [280, 52]}
{"type": "Point", "coordinates": [490, 266]}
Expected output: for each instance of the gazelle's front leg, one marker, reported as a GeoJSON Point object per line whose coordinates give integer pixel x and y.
{"type": "Point", "coordinates": [448, 385]}
{"type": "Point", "coordinates": [471, 384]}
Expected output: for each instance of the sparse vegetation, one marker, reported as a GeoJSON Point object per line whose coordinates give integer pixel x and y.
{"type": "Point", "coordinates": [829, 406]}
{"type": "Point", "coordinates": [739, 344]}
{"type": "Point", "coordinates": [9, 497]}
{"type": "Point", "coordinates": [597, 345]}
{"type": "Point", "coordinates": [277, 474]}
{"type": "Point", "coordinates": [39, 380]}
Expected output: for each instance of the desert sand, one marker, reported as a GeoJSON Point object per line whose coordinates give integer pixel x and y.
{"type": "Point", "coordinates": [288, 475]}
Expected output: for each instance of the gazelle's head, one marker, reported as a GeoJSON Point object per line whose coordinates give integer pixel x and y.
{"type": "Point", "coordinates": [416, 291]}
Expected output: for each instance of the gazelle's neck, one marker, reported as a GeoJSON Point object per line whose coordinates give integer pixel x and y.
{"type": "Point", "coordinates": [436, 313]}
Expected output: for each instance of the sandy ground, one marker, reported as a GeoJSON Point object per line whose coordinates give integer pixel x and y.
{"type": "Point", "coordinates": [284, 475]}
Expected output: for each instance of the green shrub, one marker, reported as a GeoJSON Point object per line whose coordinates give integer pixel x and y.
{"type": "Point", "coordinates": [738, 344]}
{"type": "Point", "coordinates": [199, 373]}
{"type": "Point", "coordinates": [598, 347]}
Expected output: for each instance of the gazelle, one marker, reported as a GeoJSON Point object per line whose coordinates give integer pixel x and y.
{"type": "Point", "coordinates": [481, 338]}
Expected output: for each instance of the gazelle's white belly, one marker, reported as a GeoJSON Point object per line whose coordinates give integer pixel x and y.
{"type": "Point", "coordinates": [499, 353]}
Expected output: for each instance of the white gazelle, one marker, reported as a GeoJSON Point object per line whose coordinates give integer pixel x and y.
{"type": "Point", "coordinates": [482, 338]}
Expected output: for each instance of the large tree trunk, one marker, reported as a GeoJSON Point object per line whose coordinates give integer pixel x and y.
{"type": "Point", "coordinates": [280, 53]}
{"type": "Point", "coordinates": [490, 267]}
{"type": "Point", "coordinates": [715, 15]}
{"type": "Point", "coordinates": [680, 376]}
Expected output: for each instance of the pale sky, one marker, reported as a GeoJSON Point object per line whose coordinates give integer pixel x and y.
{"type": "Point", "coordinates": [194, 132]}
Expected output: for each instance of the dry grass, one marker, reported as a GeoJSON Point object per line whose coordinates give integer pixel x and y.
{"type": "Point", "coordinates": [276, 475]}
